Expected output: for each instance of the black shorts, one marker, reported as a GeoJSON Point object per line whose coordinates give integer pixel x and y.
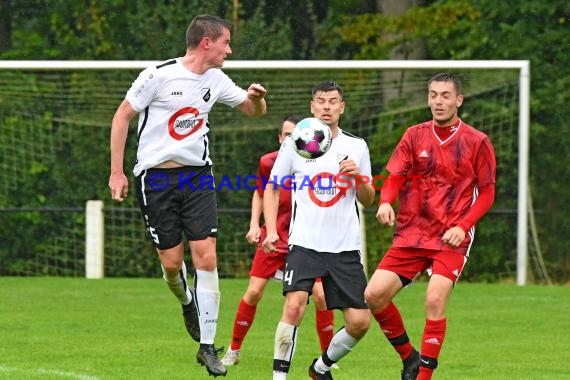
{"type": "Point", "coordinates": [342, 275]}
{"type": "Point", "coordinates": [177, 200]}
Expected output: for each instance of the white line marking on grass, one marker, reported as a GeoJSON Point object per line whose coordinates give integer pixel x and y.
{"type": "Point", "coordinates": [48, 372]}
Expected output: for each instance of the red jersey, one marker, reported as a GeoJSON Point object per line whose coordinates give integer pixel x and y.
{"type": "Point", "coordinates": [284, 209]}
{"type": "Point", "coordinates": [442, 181]}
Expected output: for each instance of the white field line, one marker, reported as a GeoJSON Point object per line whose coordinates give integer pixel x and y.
{"type": "Point", "coordinates": [47, 372]}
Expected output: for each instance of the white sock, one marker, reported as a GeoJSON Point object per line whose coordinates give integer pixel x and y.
{"type": "Point", "coordinates": [285, 339]}
{"type": "Point", "coordinates": [208, 299]}
{"type": "Point", "coordinates": [278, 375]}
{"type": "Point", "coordinates": [177, 284]}
{"type": "Point", "coordinates": [341, 344]}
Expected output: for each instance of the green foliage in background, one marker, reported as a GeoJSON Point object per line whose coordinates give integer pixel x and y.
{"type": "Point", "coordinates": [154, 30]}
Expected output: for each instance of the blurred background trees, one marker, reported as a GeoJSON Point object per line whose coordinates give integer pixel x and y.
{"type": "Point", "coordinates": [532, 30]}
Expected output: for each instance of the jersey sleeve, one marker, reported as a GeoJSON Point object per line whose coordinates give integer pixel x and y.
{"type": "Point", "coordinates": [401, 160]}
{"type": "Point", "coordinates": [282, 166]}
{"type": "Point", "coordinates": [485, 164]}
{"type": "Point", "coordinates": [143, 90]}
{"type": "Point", "coordinates": [232, 95]}
{"type": "Point", "coordinates": [364, 166]}
{"type": "Point", "coordinates": [263, 173]}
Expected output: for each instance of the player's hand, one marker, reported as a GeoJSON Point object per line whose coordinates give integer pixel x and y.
{"type": "Point", "coordinates": [454, 236]}
{"type": "Point", "coordinates": [349, 167]}
{"type": "Point", "coordinates": [269, 243]}
{"type": "Point", "coordinates": [385, 214]}
{"type": "Point", "coordinates": [119, 186]}
{"type": "Point", "coordinates": [253, 234]}
{"type": "Point", "coordinates": [256, 91]}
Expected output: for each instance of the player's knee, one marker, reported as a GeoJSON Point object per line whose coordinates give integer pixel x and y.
{"type": "Point", "coordinates": [375, 299]}
{"type": "Point", "coordinates": [320, 303]}
{"type": "Point", "coordinates": [293, 314]}
{"type": "Point", "coordinates": [171, 268]}
{"type": "Point", "coordinates": [435, 306]}
{"type": "Point", "coordinates": [357, 327]}
{"type": "Point", "coordinates": [253, 296]}
{"type": "Point", "coordinates": [207, 261]}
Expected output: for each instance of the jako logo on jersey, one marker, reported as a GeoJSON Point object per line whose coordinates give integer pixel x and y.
{"type": "Point", "coordinates": [311, 160]}
{"type": "Point", "coordinates": [184, 123]}
{"type": "Point", "coordinates": [206, 94]}
{"type": "Point", "coordinates": [176, 93]}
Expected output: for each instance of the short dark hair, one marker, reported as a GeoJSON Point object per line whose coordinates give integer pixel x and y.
{"type": "Point", "coordinates": [205, 26]}
{"type": "Point", "coordinates": [327, 86]}
{"type": "Point", "coordinates": [447, 77]}
{"type": "Point", "coordinates": [292, 118]}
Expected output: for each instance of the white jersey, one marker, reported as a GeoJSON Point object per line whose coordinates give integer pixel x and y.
{"type": "Point", "coordinates": [325, 213]}
{"type": "Point", "coordinates": [173, 105]}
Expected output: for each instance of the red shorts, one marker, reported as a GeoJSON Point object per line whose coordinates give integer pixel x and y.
{"type": "Point", "coordinates": [265, 265]}
{"type": "Point", "coordinates": [412, 262]}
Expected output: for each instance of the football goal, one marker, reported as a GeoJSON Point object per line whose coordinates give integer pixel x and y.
{"type": "Point", "coordinates": [56, 117]}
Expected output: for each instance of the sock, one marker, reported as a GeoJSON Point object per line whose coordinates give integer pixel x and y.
{"type": "Point", "coordinates": [177, 283]}
{"type": "Point", "coordinates": [432, 340]}
{"type": "Point", "coordinates": [392, 325]}
{"type": "Point", "coordinates": [285, 341]}
{"type": "Point", "coordinates": [341, 344]}
{"type": "Point", "coordinates": [208, 299]}
{"type": "Point", "coordinates": [244, 319]}
{"type": "Point", "coordinates": [325, 327]}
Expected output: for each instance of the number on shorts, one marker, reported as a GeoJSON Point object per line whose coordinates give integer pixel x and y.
{"type": "Point", "coordinates": [288, 277]}
{"type": "Point", "coordinates": [153, 235]}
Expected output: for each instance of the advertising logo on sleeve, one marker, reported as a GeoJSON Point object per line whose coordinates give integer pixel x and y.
{"type": "Point", "coordinates": [184, 123]}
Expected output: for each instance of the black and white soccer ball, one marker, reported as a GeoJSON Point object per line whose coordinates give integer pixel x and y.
{"type": "Point", "coordinates": [311, 138]}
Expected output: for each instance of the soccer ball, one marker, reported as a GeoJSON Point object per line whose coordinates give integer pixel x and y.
{"type": "Point", "coordinates": [311, 138]}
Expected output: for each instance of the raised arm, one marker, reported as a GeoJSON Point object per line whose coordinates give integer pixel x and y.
{"type": "Point", "coordinates": [254, 104]}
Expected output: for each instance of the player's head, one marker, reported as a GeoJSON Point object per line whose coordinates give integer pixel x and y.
{"type": "Point", "coordinates": [327, 103]}
{"type": "Point", "coordinates": [212, 34]}
{"type": "Point", "coordinates": [287, 125]}
{"type": "Point", "coordinates": [444, 98]}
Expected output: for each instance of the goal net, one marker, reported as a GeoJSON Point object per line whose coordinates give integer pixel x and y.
{"type": "Point", "coordinates": [54, 155]}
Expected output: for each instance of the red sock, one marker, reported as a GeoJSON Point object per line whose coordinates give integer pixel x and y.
{"type": "Point", "coordinates": [392, 325]}
{"type": "Point", "coordinates": [325, 327]}
{"type": "Point", "coordinates": [244, 319]}
{"type": "Point", "coordinates": [434, 334]}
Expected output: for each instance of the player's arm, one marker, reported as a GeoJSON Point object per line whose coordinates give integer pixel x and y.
{"type": "Point", "coordinates": [455, 235]}
{"type": "Point", "coordinates": [270, 207]}
{"type": "Point", "coordinates": [252, 235]}
{"type": "Point", "coordinates": [364, 190]}
{"type": "Point", "coordinates": [388, 195]}
{"type": "Point", "coordinates": [254, 104]}
{"type": "Point", "coordinates": [485, 168]}
{"type": "Point", "coordinates": [118, 183]}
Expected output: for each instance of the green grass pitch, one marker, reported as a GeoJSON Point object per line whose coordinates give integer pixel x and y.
{"type": "Point", "coordinates": [65, 328]}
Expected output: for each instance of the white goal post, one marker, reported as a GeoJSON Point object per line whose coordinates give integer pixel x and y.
{"type": "Point", "coordinates": [523, 66]}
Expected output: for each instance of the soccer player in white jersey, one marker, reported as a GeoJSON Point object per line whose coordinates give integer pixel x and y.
{"type": "Point", "coordinates": [324, 234]}
{"type": "Point", "coordinates": [173, 100]}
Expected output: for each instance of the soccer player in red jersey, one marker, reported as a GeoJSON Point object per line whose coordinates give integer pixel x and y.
{"type": "Point", "coordinates": [450, 167]}
{"type": "Point", "coordinates": [266, 266]}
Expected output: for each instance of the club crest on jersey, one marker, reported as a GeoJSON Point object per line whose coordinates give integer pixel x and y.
{"type": "Point", "coordinates": [206, 95]}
